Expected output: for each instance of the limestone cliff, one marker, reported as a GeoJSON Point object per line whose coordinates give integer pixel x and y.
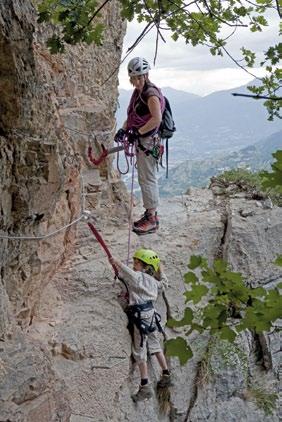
{"type": "Point", "coordinates": [64, 346]}
{"type": "Point", "coordinates": [43, 99]}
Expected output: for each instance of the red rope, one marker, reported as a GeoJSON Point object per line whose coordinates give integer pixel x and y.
{"type": "Point", "coordinates": [99, 160]}
{"type": "Point", "coordinates": [104, 246]}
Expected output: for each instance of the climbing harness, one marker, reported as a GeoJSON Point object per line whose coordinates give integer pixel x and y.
{"type": "Point", "coordinates": [134, 314]}
{"type": "Point", "coordinates": [156, 152]}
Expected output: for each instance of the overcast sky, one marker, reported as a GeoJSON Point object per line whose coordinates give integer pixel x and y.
{"type": "Point", "coordinates": [194, 69]}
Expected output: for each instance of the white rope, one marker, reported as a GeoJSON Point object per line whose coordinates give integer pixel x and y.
{"type": "Point", "coordinates": [45, 236]}
{"type": "Point", "coordinates": [83, 194]}
{"type": "Point", "coordinates": [104, 132]}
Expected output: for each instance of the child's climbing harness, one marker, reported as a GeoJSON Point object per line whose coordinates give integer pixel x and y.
{"type": "Point", "coordinates": [134, 314]}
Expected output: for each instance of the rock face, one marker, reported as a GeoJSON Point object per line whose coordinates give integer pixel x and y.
{"type": "Point", "coordinates": [65, 352]}
{"type": "Point", "coordinates": [42, 159]}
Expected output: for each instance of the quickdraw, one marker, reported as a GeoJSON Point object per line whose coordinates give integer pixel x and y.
{"type": "Point", "coordinates": [99, 160]}
{"type": "Point", "coordinates": [103, 155]}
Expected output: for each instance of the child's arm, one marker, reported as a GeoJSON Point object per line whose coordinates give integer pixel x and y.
{"type": "Point", "coordinates": [124, 271]}
{"type": "Point", "coordinates": [163, 283]}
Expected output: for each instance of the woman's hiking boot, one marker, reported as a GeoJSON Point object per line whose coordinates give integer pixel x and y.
{"type": "Point", "coordinates": [148, 223]}
{"type": "Point", "coordinates": [145, 392]}
{"type": "Point", "coordinates": [165, 381]}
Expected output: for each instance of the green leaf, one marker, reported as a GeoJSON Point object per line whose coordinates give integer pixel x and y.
{"type": "Point", "coordinates": [258, 292]}
{"type": "Point", "coordinates": [273, 179]}
{"type": "Point", "coordinates": [210, 277]}
{"type": "Point", "coordinates": [55, 45]}
{"type": "Point", "coordinates": [220, 266]}
{"type": "Point", "coordinates": [196, 294]}
{"type": "Point", "coordinates": [278, 261]}
{"type": "Point", "coordinates": [195, 262]}
{"type": "Point", "coordinates": [227, 334]}
{"type": "Point", "coordinates": [178, 347]}
{"type": "Point", "coordinates": [190, 278]}
{"type": "Point", "coordinates": [186, 320]}
{"type": "Point", "coordinates": [232, 276]}
{"type": "Point", "coordinates": [197, 327]}
{"type": "Point", "coordinates": [43, 17]}
{"type": "Point", "coordinates": [214, 315]}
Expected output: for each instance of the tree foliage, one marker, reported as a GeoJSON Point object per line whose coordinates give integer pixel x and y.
{"type": "Point", "coordinates": [273, 180]}
{"type": "Point", "coordinates": [226, 305]}
{"type": "Point", "coordinates": [199, 22]}
{"type": "Point", "coordinates": [74, 20]}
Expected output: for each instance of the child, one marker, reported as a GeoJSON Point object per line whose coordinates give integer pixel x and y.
{"type": "Point", "coordinates": [144, 282]}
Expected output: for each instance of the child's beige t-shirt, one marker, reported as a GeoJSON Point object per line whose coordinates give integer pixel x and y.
{"type": "Point", "coordinates": [142, 287]}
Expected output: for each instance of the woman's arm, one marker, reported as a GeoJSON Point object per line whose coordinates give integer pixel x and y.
{"type": "Point", "coordinates": [156, 115]}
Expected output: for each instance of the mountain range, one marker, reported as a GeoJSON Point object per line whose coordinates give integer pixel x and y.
{"type": "Point", "coordinates": [198, 172]}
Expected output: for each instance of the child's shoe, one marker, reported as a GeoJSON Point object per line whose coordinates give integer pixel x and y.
{"type": "Point", "coordinates": [145, 392]}
{"type": "Point", "coordinates": [165, 381]}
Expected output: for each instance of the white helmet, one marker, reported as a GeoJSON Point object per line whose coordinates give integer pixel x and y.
{"type": "Point", "coordinates": [138, 66]}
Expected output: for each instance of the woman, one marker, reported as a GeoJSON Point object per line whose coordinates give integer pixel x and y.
{"type": "Point", "coordinates": [144, 116]}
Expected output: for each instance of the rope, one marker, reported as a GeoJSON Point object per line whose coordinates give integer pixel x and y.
{"type": "Point", "coordinates": [45, 236]}
{"type": "Point", "coordinates": [128, 152]}
{"type": "Point", "coordinates": [130, 214]}
{"type": "Point", "coordinates": [127, 165]}
{"type": "Point", "coordinates": [109, 255]}
{"type": "Point", "coordinates": [104, 246]}
{"type": "Point", "coordinates": [104, 132]}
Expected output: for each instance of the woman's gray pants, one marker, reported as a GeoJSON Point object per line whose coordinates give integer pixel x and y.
{"type": "Point", "coordinates": [147, 175]}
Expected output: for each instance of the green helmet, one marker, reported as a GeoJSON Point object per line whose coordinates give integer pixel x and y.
{"type": "Point", "coordinates": [148, 257]}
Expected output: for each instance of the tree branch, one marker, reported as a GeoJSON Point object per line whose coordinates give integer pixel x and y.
{"type": "Point", "coordinates": [130, 49]}
{"type": "Point", "coordinates": [257, 97]}
{"type": "Point", "coordinates": [141, 36]}
{"type": "Point", "coordinates": [257, 5]}
{"type": "Point", "coordinates": [212, 14]}
{"type": "Point", "coordinates": [92, 17]}
{"type": "Point", "coordinates": [156, 20]}
{"type": "Point", "coordinates": [217, 43]}
{"type": "Point", "coordinates": [96, 12]}
{"type": "Point", "coordinates": [157, 45]}
{"type": "Point", "coordinates": [278, 8]}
